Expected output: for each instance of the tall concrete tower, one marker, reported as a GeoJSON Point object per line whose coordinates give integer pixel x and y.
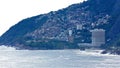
{"type": "Point", "coordinates": [98, 37]}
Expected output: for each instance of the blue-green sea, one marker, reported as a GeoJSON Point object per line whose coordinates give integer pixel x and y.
{"type": "Point", "coordinates": [11, 58]}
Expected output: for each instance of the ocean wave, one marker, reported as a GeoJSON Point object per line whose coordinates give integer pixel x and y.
{"type": "Point", "coordinates": [6, 48]}
{"type": "Point", "coordinates": [92, 52]}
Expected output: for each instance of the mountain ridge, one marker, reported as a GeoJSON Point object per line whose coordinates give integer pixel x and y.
{"type": "Point", "coordinates": [52, 29]}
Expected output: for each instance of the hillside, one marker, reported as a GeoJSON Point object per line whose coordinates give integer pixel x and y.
{"type": "Point", "coordinates": [51, 30]}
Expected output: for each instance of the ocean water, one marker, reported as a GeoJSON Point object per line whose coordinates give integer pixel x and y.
{"type": "Point", "coordinates": [11, 58]}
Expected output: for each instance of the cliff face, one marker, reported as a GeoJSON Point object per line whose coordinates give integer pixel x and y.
{"type": "Point", "coordinates": [43, 31]}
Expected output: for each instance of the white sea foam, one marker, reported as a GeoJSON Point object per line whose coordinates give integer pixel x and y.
{"type": "Point", "coordinates": [6, 48]}
{"type": "Point", "coordinates": [93, 52]}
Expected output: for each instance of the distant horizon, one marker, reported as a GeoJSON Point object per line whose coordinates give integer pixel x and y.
{"type": "Point", "coordinates": [14, 11]}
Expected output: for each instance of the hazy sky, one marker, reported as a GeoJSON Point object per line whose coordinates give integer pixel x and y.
{"type": "Point", "coordinates": [12, 11]}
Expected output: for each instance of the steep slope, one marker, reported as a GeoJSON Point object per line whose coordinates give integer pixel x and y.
{"type": "Point", "coordinates": [51, 31]}
{"type": "Point", "coordinates": [19, 30]}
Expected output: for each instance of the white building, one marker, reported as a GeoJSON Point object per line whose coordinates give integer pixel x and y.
{"type": "Point", "coordinates": [70, 32]}
{"type": "Point", "coordinates": [70, 37]}
{"type": "Point", "coordinates": [98, 37]}
{"type": "Point", "coordinates": [79, 26]}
